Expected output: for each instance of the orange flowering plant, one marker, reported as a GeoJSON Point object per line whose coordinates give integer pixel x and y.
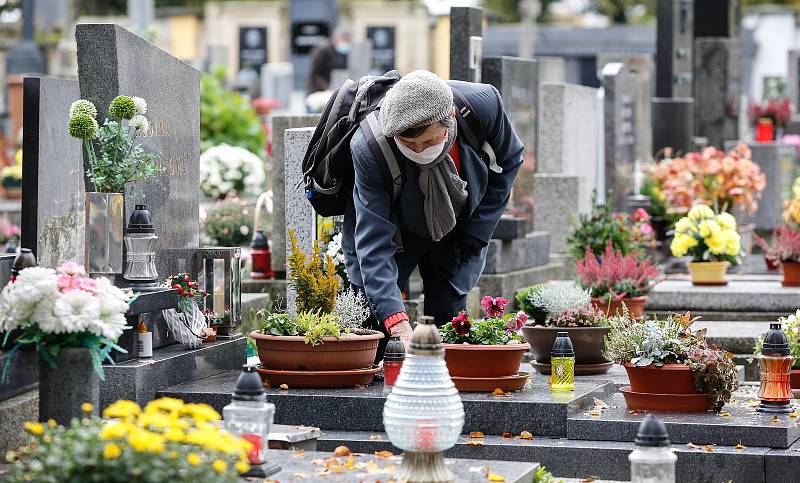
{"type": "Point", "coordinates": [721, 180]}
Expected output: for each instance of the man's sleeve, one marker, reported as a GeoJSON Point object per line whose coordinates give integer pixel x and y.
{"type": "Point", "coordinates": [374, 238]}
{"type": "Point", "coordinates": [508, 149]}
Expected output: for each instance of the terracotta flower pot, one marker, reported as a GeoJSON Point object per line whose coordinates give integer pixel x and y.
{"type": "Point", "coordinates": [667, 379]}
{"type": "Point", "coordinates": [635, 305]}
{"type": "Point", "coordinates": [291, 353]}
{"type": "Point", "coordinates": [474, 360]}
{"type": "Point", "coordinates": [771, 265]}
{"type": "Point", "coordinates": [791, 274]}
{"type": "Point", "coordinates": [587, 341]}
{"type": "Point", "coordinates": [708, 273]}
{"type": "Point", "coordinates": [794, 378]}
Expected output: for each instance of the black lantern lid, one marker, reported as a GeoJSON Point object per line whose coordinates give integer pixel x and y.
{"type": "Point", "coordinates": [249, 387]}
{"type": "Point", "coordinates": [24, 259]}
{"type": "Point", "coordinates": [775, 342]}
{"type": "Point", "coordinates": [652, 432]}
{"type": "Point", "coordinates": [259, 240]}
{"type": "Point", "coordinates": [140, 221]}
{"type": "Point", "coordinates": [563, 346]}
{"type": "Point", "coordinates": [395, 352]}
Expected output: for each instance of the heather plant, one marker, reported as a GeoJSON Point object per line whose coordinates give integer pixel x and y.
{"type": "Point", "coordinates": [614, 275]}
{"type": "Point", "coordinates": [785, 246]}
{"type": "Point", "coordinates": [313, 278]}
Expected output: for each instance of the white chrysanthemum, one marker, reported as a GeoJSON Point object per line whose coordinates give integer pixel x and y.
{"type": "Point", "coordinates": [45, 317]}
{"type": "Point", "coordinates": [110, 326]}
{"type": "Point", "coordinates": [32, 285]}
{"type": "Point", "coordinates": [141, 123]}
{"type": "Point", "coordinates": [76, 310]}
{"type": "Point", "coordinates": [225, 168]}
{"type": "Point", "coordinates": [141, 105]}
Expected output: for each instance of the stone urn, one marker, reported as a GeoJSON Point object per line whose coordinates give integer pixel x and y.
{"type": "Point", "coordinates": [65, 387]}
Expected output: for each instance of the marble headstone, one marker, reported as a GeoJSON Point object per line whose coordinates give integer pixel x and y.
{"type": "Point", "coordinates": [466, 38]}
{"type": "Point", "coordinates": [717, 89]}
{"type": "Point", "coordinates": [278, 125]}
{"type": "Point", "coordinates": [277, 82]}
{"type": "Point", "coordinates": [300, 215]}
{"type": "Point", "coordinates": [619, 117]}
{"type": "Point", "coordinates": [516, 79]}
{"type": "Point", "coordinates": [113, 61]}
{"type": "Point", "coordinates": [53, 173]}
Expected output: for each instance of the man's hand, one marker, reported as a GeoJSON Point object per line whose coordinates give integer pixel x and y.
{"type": "Point", "coordinates": [403, 330]}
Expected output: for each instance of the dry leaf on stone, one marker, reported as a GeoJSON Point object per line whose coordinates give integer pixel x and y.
{"type": "Point", "coordinates": [475, 442]}
{"type": "Point", "coordinates": [498, 392]}
{"type": "Point", "coordinates": [588, 479]}
{"type": "Point", "coordinates": [725, 414]}
{"type": "Point", "coordinates": [709, 448]}
{"type": "Point", "coordinates": [375, 437]}
{"type": "Point", "coordinates": [476, 434]}
{"type": "Point", "coordinates": [479, 469]}
{"type": "Point", "coordinates": [525, 435]}
{"type": "Point", "coordinates": [692, 445]}
{"type": "Point", "coordinates": [507, 435]}
{"type": "Point", "coordinates": [775, 419]}
{"type": "Point", "coordinates": [494, 477]}
{"type": "Point", "coordinates": [284, 387]}
{"type": "Point", "coordinates": [595, 413]}
{"type": "Point", "coordinates": [384, 454]}
{"type": "Point", "coordinates": [793, 414]}
{"type": "Point", "coordinates": [740, 446]}
{"type": "Point", "coordinates": [341, 451]}
{"type": "Point", "coordinates": [359, 387]}
{"type": "Point", "coordinates": [299, 453]}
{"type": "Point", "coordinates": [373, 468]}
{"type": "Point", "coordinates": [599, 404]}
{"type": "Point", "coordinates": [300, 476]}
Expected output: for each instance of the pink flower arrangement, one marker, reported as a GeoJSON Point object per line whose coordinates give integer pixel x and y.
{"type": "Point", "coordinates": [494, 329]}
{"type": "Point", "coordinates": [712, 177]}
{"type": "Point", "coordinates": [779, 110]}
{"type": "Point", "coordinates": [615, 275]}
{"type": "Point", "coordinates": [494, 307]}
{"type": "Point", "coordinates": [785, 245]}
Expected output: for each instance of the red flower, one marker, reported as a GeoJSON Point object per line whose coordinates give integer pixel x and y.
{"type": "Point", "coordinates": [461, 323]}
{"type": "Point", "coordinates": [494, 307]}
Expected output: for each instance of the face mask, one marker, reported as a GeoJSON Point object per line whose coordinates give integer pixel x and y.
{"type": "Point", "coordinates": [343, 48]}
{"type": "Point", "coordinates": [426, 156]}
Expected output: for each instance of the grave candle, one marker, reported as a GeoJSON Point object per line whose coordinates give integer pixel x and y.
{"type": "Point", "coordinates": [765, 130]}
{"type": "Point", "coordinates": [562, 364]}
{"type": "Point", "coordinates": [392, 362]}
{"type": "Point", "coordinates": [775, 364]}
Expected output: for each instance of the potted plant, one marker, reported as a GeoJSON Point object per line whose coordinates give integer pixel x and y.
{"type": "Point", "coordinates": [323, 344]}
{"type": "Point", "coordinates": [670, 367]}
{"type": "Point", "coordinates": [615, 279]}
{"type": "Point", "coordinates": [74, 321]}
{"type": "Point", "coordinates": [711, 240]}
{"type": "Point", "coordinates": [485, 354]}
{"type": "Point", "coordinates": [11, 180]}
{"type": "Point", "coordinates": [564, 306]}
{"type": "Point", "coordinates": [791, 326]}
{"type": "Point", "coordinates": [784, 251]}
{"type": "Point", "coordinates": [166, 441]}
{"type": "Point", "coordinates": [114, 158]}
{"type": "Point", "coordinates": [779, 111]}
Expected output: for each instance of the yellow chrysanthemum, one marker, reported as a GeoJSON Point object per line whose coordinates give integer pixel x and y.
{"type": "Point", "coordinates": [726, 221]}
{"type": "Point", "coordinates": [166, 404]}
{"type": "Point", "coordinates": [174, 434]}
{"type": "Point", "coordinates": [87, 407]}
{"type": "Point", "coordinates": [681, 245]}
{"type": "Point", "coordinates": [34, 428]}
{"type": "Point", "coordinates": [701, 212]}
{"type": "Point", "coordinates": [146, 441]}
{"type": "Point", "coordinates": [122, 409]}
{"type": "Point", "coordinates": [172, 454]}
{"type": "Point", "coordinates": [114, 430]}
{"type": "Point", "coordinates": [684, 225]}
{"type": "Point", "coordinates": [201, 412]}
{"type": "Point", "coordinates": [242, 467]}
{"type": "Point", "coordinates": [219, 466]}
{"type": "Point", "coordinates": [52, 423]}
{"type": "Point", "coordinates": [708, 228]}
{"type": "Point", "coordinates": [111, 451]}
{"type": "Point", "coordinates": [154, 419]}
{"type": "Point", "coordinates": [194, 459]}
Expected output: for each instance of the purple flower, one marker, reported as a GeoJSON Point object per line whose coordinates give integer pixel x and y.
{"type": "Point", "coordinates": [494, 307]}
{"type": "Point", "coordinates": [461, 323]}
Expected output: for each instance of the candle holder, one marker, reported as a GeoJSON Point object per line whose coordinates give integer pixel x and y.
{"type": "Point", "coordinates": [24, 259]}
{"type": "Point", "coordinates": [261, 257]}
{"type": "Point", "coordinates": [140, 246]}
{"type": "Point", "coordinates": [775, 364]}
{"type": "Point", "coordinates": [218, 273]}
{"type": "Point", "coordinates": [653, 460]}
{"type": "Point", "coordinates": [423, 414]}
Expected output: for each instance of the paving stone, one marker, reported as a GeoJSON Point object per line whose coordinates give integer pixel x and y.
{"type": "Point", "coordinates": [508, 255]}
{"type": "Point", "coordinates": [744, 425]}
{"type": "Point", "coordinates": [737, 296]}
{"type": "Point", "coordinates": [783, 464]}
{"type": "Point", "coordinates": [16, 410]}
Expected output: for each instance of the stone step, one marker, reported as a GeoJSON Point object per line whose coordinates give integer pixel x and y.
{"type": "Point", "coordinates": [738, 296]}
{"type": "Point", "coordinates": [763, 317]}
{"type": "Point", "coordinates": [607, 460]}
{"type": "Point", "coordinates": [534, 409]}
{"type": "Point", "coordinates": [504, 256]}
{"type": "Point", "coordinates": [733, 336]}
{"type": "Point", "coordinates": [23, 373]}
{"type": "Point", "coordinates": [140, 379]}
{"type": "Point", "coordinates": [509, 283]}
{"type": "Point", "coordinates": [743, 426]}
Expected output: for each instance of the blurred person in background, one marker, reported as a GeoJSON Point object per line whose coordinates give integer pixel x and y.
{"type": "Point", "coordinates": [327, 57]}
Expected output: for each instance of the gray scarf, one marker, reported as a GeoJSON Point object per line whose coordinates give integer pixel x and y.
{"type": "Point", "coordinates": [445, 192]}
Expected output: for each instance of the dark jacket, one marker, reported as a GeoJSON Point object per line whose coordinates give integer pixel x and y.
{"type": "Point", "coordinates": [323, 60]}
{"type": "Point", "coordinates": [368, 234]}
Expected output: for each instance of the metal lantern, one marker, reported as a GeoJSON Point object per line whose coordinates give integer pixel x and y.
{"type": "Point", "coordinates": [249, 416]}
{"type": "Point", "coordinates": [653, 460]}
{"type": "Point", "coordinates": [424, 415]}
{"type": "Point", "coordinates": [218, 272]}
{"type": "Point", "coordinates": [140, 246]}
{"type": "Point", "coordinates": [775, 364]}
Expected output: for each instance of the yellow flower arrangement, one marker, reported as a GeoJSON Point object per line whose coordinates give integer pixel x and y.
{"type": "Point", "coordinates": [707, 236]}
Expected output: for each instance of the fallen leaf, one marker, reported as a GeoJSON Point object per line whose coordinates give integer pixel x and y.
{"type": "Point", "coordinates": [595, 412]}
{"type": "Point", "coordinates": [793, 414]}
{"type": "Point", "coordinates": [285, 387]}
{"type": "Point", "coordinates": [372, 468]}
{"type": "Point", "coordinates": [384, 454]}
{"type": "Point", "coordinates": [752, 403]}
{"type": "Point", "coordinates": [359, 387]}
{"type": "Point", "coordinates": [390, 469]}
{"type": "Point", "coordinates": [709, 448]}
{"type": "Point", "coordinates": [494, 477]}
{"type": "Point", "coordinates": [498, 392]}
{"type": "Point", "coordinates": [300, 476]}
{"type": "Point", "coordinates": [507, 435]}
{"type": "Point", "coordinates": [479, 469]}
{"type": "Point", "coordinates": [775, 419]}
{"type": "Point", "coordinates": [341, 451]}
{"type": "Point", "coordinates": [588, 479]}
{"type": "Point", "coordinates": [350, 463]}
{"type": "Point", "coordinates": [476, 434]}
{"type": "Point", "coordinates": [525, 435]}
{"type": "Point", "coordinates": [599, 404]}
{"type": "Point", "coordinates": [725, 414]}
{"type": "Point", "coordinates": [692, 445]}
{"type": "Point", "coordinates": [475, 443]}
{"type": "Point", "coordinates": [740, 446]}
{"type": "Point", "coordinates": [375, 437]}
{"type": "Point", "coordinates": [300, 452]}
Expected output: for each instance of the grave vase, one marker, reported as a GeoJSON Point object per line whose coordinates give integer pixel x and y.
{"type": "Point", "coordinates": [708, 273]}
{"type": "Point", "coordinates": [105, 219]}
{"type": "Point", "coordinates": [64, 388]}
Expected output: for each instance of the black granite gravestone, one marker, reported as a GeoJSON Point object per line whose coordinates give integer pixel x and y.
{"type": "Point", "coordinates": [717, 18]}
{"type": "Point", "coordinates": [466, 38]}
{"type": "Point", "coordinates": [674, 37]}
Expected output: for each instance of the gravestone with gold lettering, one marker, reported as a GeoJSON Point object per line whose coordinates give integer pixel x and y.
{"type": "Point", "coordinates": [113, 61]}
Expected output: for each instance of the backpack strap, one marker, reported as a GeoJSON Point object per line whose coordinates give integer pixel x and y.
{"type": "Point", "coordinates": [470, 127]}
{"type": "Point", "coordinates": [375, 138]}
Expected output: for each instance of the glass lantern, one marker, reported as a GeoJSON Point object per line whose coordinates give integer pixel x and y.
{"type": "Point", "coordinates": [140, 245]}
{"type": "Point", "coordinates": [653, 460]}
{"type": "Point", "coordinates": [423, 414]}
{"type": "Point", "coordinates": [775, 364]}
{"type": "Point", "coordinates": [218, 272]}
{"type": "Point", "coordinates": [249, 416]}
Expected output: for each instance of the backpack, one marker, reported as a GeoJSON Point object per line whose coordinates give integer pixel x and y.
{"type": "Point", "coordinates": [328, 173]}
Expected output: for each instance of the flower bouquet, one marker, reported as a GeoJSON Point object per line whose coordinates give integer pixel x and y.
{"type": "Point", "coordinates": [615, 279]}
{"type": "Point", "coordinates": [485, 354]}
{"type": "Point", "coordinates": [166, 441]}
{"type": "Point", "coordinates": [711, 240]}
{"type": "Point", "coordinates": [187, 322]}
{"type": "Point", "coordinates": [778, 110]}
{"type": "Point", "coordinates": [231, 171]}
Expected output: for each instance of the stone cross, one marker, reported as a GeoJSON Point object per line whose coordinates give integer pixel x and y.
{"type": "Point", "coordinates": [619, 117]}
{"type": "Point", "coordinates": [466, 39]}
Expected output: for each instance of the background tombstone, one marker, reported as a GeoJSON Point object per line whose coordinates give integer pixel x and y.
{"type": "Point", "coordinates": [793, 81]}
{"type": "Point", "coordinates": [278, 127]}
{"type": "Point", "coordinates": [300, 215]}
{"type": "Point", "coordinates": [516, 79]}
{"type": "Point", "coordinates": [674, 37]}
{"type": "Point", "coordinates": [384, 48]}
{"type": "Point", "coordinates": [141, 13]}
{"type": "Point", "coordinates": [619, 118]}
{"type": "Point", "coordinates": [53, 184]}
{"type": "Point", "coordinates": [113, 61]}
{"type": "Point", "coordinates": [253, 52]}
{"type": "Point", "coordinates": [311, 25]}
{"type": "Point", "coordinates": [466, 37]}
{"type": "Point", "coordinates": [277, 83]}
{"type": "Point", "coordinates": [717, 18]}
{"type": "Point", "coordinates": [717, 88]}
